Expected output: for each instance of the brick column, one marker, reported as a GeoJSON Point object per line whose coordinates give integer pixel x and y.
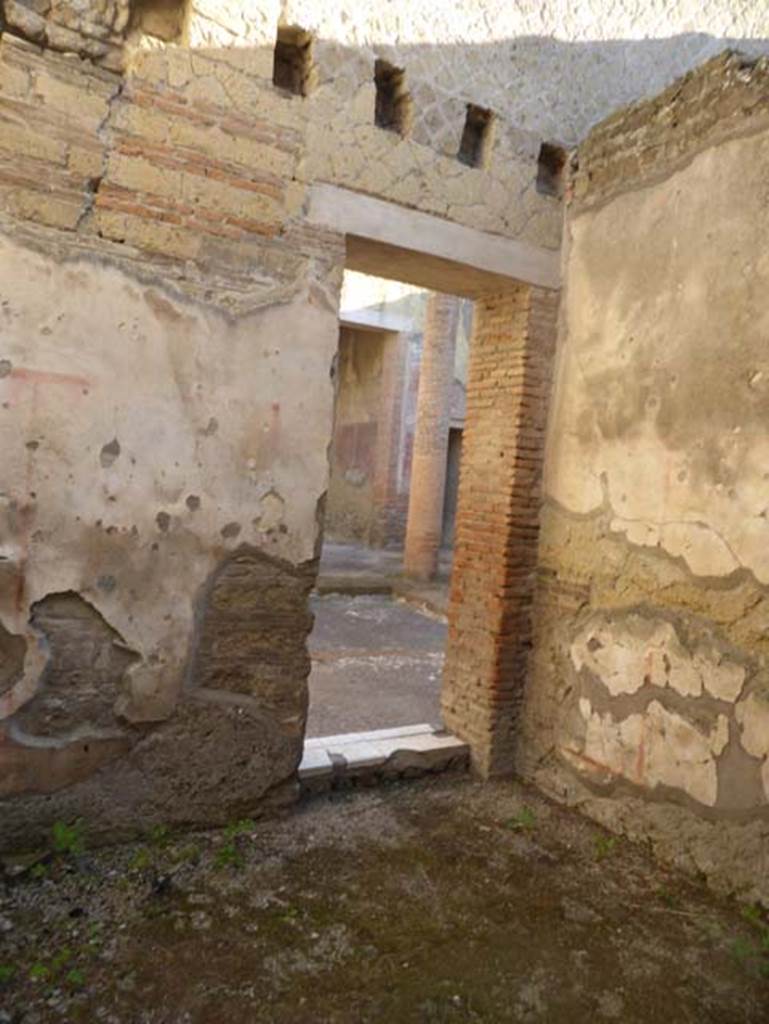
{"type": "Point", "coordinates": [431, 437]}
{"type": "Point", "coordinates": [390, 500]}
{"type": "Point", "coordinates": [495, 544]}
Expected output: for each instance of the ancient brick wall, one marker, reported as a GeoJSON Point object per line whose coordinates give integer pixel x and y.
{"type": "Point", "coordinates": [497, 521]}
{"type": "Point", "coordinates": [154, 292]}
{"type": "Point", "coordinates": [169, 328]}
{"type": "Point", "coordinates": [92, 30]}
{"type": "Point", "coordinates": [169, 322]}
{"type": "Point", "coordinates": [648, 702]}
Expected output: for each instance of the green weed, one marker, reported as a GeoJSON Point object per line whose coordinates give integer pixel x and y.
{"type": "Point", "coordinates": [754, 914]}
{"type": "Point", "coordinates": [60, 959]}
{"type": "Point", "coordinates": [69, 840]}
{"type": "Point", "coordinates": [160, 835]}
{"type": "Point", "coordinates": [228, 854]}
{"type": "Point", "coordinates": [524, 821]}
{"type": "Point", "coordinates": [754, 952]}
{"type": "Point", "coordinates": [666, 897]}
{"type": "Point", "coordinates": [188, 854]}
{"type": "Point", "coordinates": [604, 846]}
{"type": "Point", "coordinates": [59, 968]}
{"type": "Point", "coordinates": [141, 860]}
{"type": "Point", "coordinates": [39, 972]}
{"type": "Point", "coordinates": [75, 978]}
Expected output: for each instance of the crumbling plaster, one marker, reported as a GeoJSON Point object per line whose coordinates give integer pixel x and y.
{"type": "Point", "coordinates": [170, 311]}
{"type": "Point", "coordinates": [664, 385]}
{"type": "Point", "coordinates": [170, 322]}
{"type": "Point", "coordinates": [134, 504]}
{"type": "Point", "coordinates": [648, 683]}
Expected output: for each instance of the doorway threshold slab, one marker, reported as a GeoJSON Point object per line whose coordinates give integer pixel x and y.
{"type": "Point", "coordinates": [407, 751]}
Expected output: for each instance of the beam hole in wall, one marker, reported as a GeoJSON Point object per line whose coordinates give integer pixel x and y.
{"type": "Point", "coordinates": [475, 145]}
{"type": "Point", "coordinates": [393, 102]}
{"type": "Point", "coordinates": [292, 67]}
{"type": "Point", "coordinates": [162, 20]}
{"type": "Point", "coordinates": [550, 165]}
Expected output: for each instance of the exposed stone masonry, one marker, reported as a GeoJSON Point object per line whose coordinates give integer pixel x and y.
{"type": "Point", "coordinates": [254, 620]}
{"type": "Point", "coordinates": [84, 677]}
{"type": "Point", "coordinates": [169, 321]}
{"type": "Point", "coordinates": [724, 98]}
{"type": "Point", "coordinates": [90, 29]}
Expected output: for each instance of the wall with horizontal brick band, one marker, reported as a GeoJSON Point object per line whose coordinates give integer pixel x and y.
{"type": "Point", "coordinates": [170, 325]}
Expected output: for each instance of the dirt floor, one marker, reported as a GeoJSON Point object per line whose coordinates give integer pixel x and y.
{"type": "Point", "coordinates": [376, 663]}
{"type": "Point", "coordinates": [438, 901]}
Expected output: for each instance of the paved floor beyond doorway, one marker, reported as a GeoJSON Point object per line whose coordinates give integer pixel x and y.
{"type": "Point", "coordinates": [376, 662]}
{"type": "Point", "coordinates": [347, 568]}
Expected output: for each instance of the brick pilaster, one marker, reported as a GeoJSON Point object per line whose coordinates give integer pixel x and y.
{"type": "Point", "coordinates": [497, 524]}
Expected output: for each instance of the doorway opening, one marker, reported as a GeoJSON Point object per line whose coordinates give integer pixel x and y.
{"type": "Point", "coordinates": [513, 288]}
{"type": "Point", "coordinates": [380, 605]}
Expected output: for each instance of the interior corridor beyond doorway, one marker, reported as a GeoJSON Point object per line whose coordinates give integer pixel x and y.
{"type": "Point", "coordinates": [378, 644]}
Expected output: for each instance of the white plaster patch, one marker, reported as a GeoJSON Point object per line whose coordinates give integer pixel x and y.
{"type": "Point", "coordinates": [723, 680]}
{"type": "Point", "coordinates": [752, 714]}
{"type": "Point", "coordinates": [271, 511]}
{"type": "Point", "coordinates": [657, 747]}
{"type": "Point", "coordinates": [705, 552]}
{"type": "Point", "coordinates": [624, 655]}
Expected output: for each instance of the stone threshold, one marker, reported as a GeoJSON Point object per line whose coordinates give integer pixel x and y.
{"type": "Point", "coordinates": [331, 762]}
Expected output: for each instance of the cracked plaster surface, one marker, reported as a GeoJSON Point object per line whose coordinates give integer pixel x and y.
{"type": "Point", "coordinates": [137, 534]}
{"type": "Point", "coordinates": [647, 704]}
{"type": "Point", "coordinates": [634, 651]}
{"type": "Point", "coordinates": [655, 747]}
{"type": "Point", "coordinates": [752, 714]}
{"type": "Point", "coordinates": [661, 401]}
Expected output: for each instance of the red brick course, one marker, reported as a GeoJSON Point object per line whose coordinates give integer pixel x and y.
{"type": "Point", "coordinates": [495, 550]}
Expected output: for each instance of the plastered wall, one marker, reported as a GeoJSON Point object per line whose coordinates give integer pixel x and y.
{"type": "Point", "coordinates": [350, 501]}
{"type": "Point", "coordinates": [168, 330]}
{"type": "Point", "coordinates": [648, 703]}
{"type": "Point", "coordinates": [163, 505]}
